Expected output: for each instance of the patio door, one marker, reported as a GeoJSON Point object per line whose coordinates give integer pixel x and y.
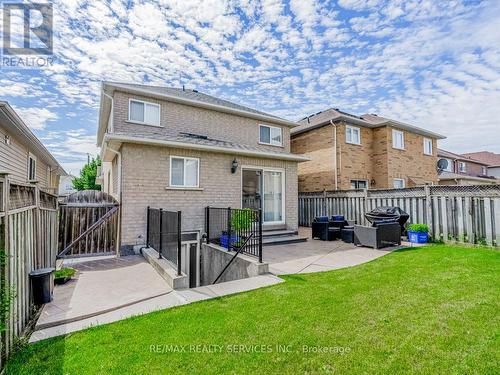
{"type": "Point", "coordinates": [264, 189]}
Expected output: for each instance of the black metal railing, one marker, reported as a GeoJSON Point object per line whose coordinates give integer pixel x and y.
{"type": "Point", "coordinates": [234, 228]}
{"type": "Point", "coordinates": [163, 234]}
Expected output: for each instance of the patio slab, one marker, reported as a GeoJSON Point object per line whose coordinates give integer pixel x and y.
{"type": "Point", "coordinates": [100, 287]}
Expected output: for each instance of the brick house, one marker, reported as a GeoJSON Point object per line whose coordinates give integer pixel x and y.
{"type": "Point", "coordinates": [490, 158]}
{"type": "Point", "coordinates": [368, 151]}
{"type": "Point", "coordinates": [22, 156]}
{"type": "Point", "coordinates": [464, 170]}
{"type": "Point", "coordinates": [183, 150]}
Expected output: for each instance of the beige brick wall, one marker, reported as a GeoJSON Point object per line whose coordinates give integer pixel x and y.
{"type": "Point", "coordinates": [145, 173]}
{"type": "Point", "coordinates": [175, 118]}
{"type": "Point", "coordinates": [374, 159]}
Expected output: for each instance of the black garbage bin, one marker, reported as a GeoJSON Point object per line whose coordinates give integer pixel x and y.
{"type": "Point", "coordinates": [41, 284]}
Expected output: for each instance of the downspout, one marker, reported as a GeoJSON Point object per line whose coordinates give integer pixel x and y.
{"type": "Point", "coordinates": [335, 173]}
{"type": "Point", "coordinates": [119, 155]}
{"type": "Point", "coordinates": [112, 109]}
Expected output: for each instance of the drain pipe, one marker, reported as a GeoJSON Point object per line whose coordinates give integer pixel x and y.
{"type": "Point", "coordinates": [119, 188]}
{"type": "Point", "coordinates": [335, 173]}
{"type": "Point", "coordinates": [112, 109]}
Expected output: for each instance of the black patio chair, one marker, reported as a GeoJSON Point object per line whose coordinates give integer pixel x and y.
{"type": "Point", "coordinates": [320, 227]}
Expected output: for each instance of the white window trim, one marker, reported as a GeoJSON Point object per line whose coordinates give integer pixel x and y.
{"type": "Point", "coordinates": [31, 156]}
{"type": "Point", "coordinates": [399, 179]}
{"type": "Point", "coordinates": [460, 163]}
{"type": "Point", "coordinates": [184, 186]}
{"type": "Point", "coordinates": [271, 143]}
{"type": "Point", "coordinates": [142, 122]}
{"type": "Point", "coordinates": [394, 131]}
{"type": "Point", "coordinates": [432, 150]}
{"type": "Point", "coordinates": [353, 128]}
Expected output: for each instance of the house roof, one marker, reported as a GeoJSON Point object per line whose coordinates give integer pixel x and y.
{"type": "Point", "coordinates": [367, 120]}
{"type": "Point", "coordinates": [487, 157]}
{"type": "Point", "coordinates": [16, 126]}
{"type": "Point", "coordinates": [455, 176]}
{"type": "Point", "coordinates": [452, 155]}
{"type": "Point", "coordinates": [190, 141]}
{"type": "Point", "coordinates": [183, 96]}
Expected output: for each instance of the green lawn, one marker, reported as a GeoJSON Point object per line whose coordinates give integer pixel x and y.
{"type": "Point", "coordinates": [428, 310]}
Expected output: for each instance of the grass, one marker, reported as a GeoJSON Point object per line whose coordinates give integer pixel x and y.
{"type": "Point", "coordinates": [64, 272]}
{"type": "Point", "coordinates": [428, 310]}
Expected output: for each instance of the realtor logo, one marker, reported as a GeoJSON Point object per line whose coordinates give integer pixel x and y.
{"type": "Point", "coordinates": [27, 30]}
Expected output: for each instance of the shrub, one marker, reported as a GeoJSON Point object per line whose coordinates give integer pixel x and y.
{"type": "Point", "coordinates": [241, 220]}
{"type": "Point", "coordinates": [422, 228]}
{"type": "Point", "coordinates": [64, 272]}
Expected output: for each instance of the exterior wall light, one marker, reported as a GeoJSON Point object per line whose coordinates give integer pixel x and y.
{"type": "Point", "coordinates": [234, 166]}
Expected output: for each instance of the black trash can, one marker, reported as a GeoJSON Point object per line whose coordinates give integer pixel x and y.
{"type": "Point", "coordinates": [41, 284]}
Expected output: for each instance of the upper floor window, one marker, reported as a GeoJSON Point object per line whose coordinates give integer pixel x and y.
{"type": "Point", "coordinates": [352, 135]}
{"type": "Point", "coordinates": [461, 167]}
{"type": "Point", "coordinates": [427, 146]}
{"type": "Point", "coordinates": [484, 171]}
{"type": "Point", "coordinates": [31, 167]}
{"type": "Point", "coordinates": [184, 172]}
{"type": "Point", "coordinates": [399, 183]}
{"type": "Point", "coordinates": [449, 167]}
{"type": "Point", "coordinates": [271, 135]}
{"type": "Point", "coordinates": [144, 112]}
{"type": "Point", "coordinates": [398, 139]}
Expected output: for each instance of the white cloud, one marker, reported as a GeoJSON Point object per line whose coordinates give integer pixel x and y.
{"type": "Point", "coordinates": [36, 118]}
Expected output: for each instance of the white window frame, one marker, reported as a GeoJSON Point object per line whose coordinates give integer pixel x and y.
{"type": "Point", "coordinates": [451, 166]}
{"type": "Point", "coordinates": [184, 185]}
{"type": "Point", "coordinates": [145, 103]}
{"type": "Point", "coordinates": [399, 179]}
{"type": "Point", "coordinates": [394, 132]}
{"type": "Point", "coordinates": [484, 171]}
{"type": "Point", "coordinates": [460, 164]}
{"type": "Point", "coordinates": [353, 128]}
{"type": "Point", "coordinates": [33, 157]}
{"type": "Point", "coordinates": [359, 180]}
{"type": "Point", "coordinates": [428, 141]}
{"type": "Point", "coordinates": [271, 142]}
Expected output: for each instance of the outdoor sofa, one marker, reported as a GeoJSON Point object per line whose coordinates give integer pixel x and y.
{"type": "Point", "coordinates": [378, 236]}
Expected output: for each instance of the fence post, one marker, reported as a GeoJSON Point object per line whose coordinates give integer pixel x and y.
{"type": "Point", "coordinates": [179, 242]}
{"type": "Point", "coordinates": [207, 223]}
{"type": "Point", "coordinates": [229, 228]}
{"type": "Point", "coordinates": [147, 228]}
{"type": "Point", "coordinates": [161, 234]}
{"type": "Point", "coordinates": [428, 210]}
{"type": "Point", "coordinates": [260, 235]}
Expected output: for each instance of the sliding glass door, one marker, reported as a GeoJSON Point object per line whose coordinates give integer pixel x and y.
{"type": "Point", "coordinates": [264, 189]}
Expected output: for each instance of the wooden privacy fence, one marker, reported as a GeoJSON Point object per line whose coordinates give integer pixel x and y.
{"type": "Point", "coordinates": [468, 214]}
{"type": "Point", "coordinates": [88, 224]}
{"type": "Point", "coordinates": [28, 239]}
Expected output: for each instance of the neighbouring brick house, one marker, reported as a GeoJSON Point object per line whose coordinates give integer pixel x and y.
{"type": "Point", "coordinates": [177, 149]}
{"type": "Point", "coordinates": [491, 159]}
{"type": "Point", "coordinates": [368, 151]}
{"type": "Point", "coordinates": [464, 170]}
{"type": "Point", "coordinates": [22, 156]}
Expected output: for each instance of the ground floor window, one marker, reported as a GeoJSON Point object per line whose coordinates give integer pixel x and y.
{"type": "Point", "coordinates": [359, 184]}
{"type": "Point", "coordinates": [184, 172]}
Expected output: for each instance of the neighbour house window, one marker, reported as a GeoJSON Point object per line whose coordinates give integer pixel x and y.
{"type": "Point", "coordinates": [144, 112]}
{"type": "Point", "coordinates": [427, 146]}
{"type": "Point", "coordinates": [31, 167]}
{"type": "Point", "coordinates": [398, 139]}
{"type": "Point", "coordinates": [352, 135]}
{"type": "Point", "coordinates": [184, 172]}
{"type": "Point", "coordinates": [271, 135]}
{"type": "Point", "coordinates": [359, 184]}
{"type": "Point", "coordinates": [461, 167]}
{"type": "Point", "coordinates": [449, 167]}
{"type": "Point", "coordinates": [484, 171]}
{"type": "Point", "coordinates": [399, 183]}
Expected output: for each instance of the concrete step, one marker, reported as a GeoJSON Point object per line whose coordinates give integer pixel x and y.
{"type": "Point", "coordinates": [278, 233]}
{"type": "Point", "coordinates": [282, 240]}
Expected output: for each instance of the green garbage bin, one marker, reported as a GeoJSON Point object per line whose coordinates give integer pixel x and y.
{"type": "Point", "coordinates": [41, 285]}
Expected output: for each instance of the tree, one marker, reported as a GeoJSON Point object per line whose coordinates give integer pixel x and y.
{"type": "Point", "coordinates": [88, 174]}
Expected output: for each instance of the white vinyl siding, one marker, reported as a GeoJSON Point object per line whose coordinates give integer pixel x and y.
{"type": "Point", "coordinates": [144, 112]}
{"type": "Point", "coordinates": [271, 135]}
{"type": "Point", "coordinates": [427, 146]}
{"type": "Point", "coordinates": [184, 172]}
{"type": "Point", "coordinates": [352, 135]}
{"type": "Point", "coordinates": [398, 139]}
{"type": "Point", "coordinates": [399, 183]}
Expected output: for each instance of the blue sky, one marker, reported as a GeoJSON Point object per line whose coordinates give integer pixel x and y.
{"type": "Point", "coordinates": [435, 64]}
